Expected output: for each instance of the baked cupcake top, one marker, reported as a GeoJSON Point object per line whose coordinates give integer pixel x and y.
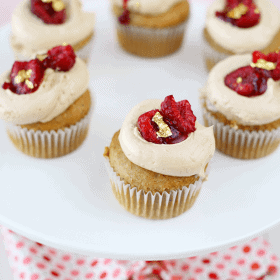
{"type": "Point", "coordinates": [31, 35]}
{"type": "Point", "coordinates": [40, 90]}
{"type": "Point", "coordinates": [245, 90]}
{"type": "Point", "coordinates": [192, 145]}
{"type": "Point", "coordinates": [265, 23]}
{"type": "Point", "coordinates": [154, 7]}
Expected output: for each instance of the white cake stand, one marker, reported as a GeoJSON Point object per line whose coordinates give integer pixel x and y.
{"type": "Point", "coordinates": [67, 202]}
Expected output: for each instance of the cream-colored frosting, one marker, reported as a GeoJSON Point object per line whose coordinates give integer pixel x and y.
{"type": "Point", "coordinates": [31, 35]}
{"type": "Point", "coordinates": [56, 93]}
{"type": "Point", "coordinates": [153, 7]}
{"type": "Point", "coordinates": [262, 109]}
{"type": "Point", "coordinates": [242, 40]}
{"type": "Point", "coordinates": [186, 158]}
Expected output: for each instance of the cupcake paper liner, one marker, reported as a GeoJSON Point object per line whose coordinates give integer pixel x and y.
{"type": "Point", "coordinates": [150, 42]}
{"type": "Point", "coordinates": [157, 205]}
{"type": "Point", "coordinates": [49, 144]}
{"type": "Point", "coordinates": [241, 143]}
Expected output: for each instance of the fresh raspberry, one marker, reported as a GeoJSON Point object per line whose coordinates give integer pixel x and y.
{"type": "Point", "coordinates": [29, 81]}
{"type": "Point", "coordinates": [249, 19]}
{"type": "Point", "coordinates": [46, 13]}
{"type": "Point", "coordinates": [60, 58]}
{"type": "Point", "coordinates": [177, 115]}
{"type": "Point", "coordinates": [252, 81]}
{"type": "Point", "coordinates": [148, 128]}
{"type": "Point", "coordinates": [124, 18]}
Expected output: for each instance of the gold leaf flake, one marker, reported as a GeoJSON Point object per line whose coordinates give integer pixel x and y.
{"type": "Point", "coordinates": [29, 84]}
{"type": "Point", "coordinates": [256, 11]}
{"type": "Point", "coordinates": [238, 11]}
{"type": "Point", "coordinates": [41, 57]}
{"type": "Point", "coordinates": [58, 5]}
{"type": "Point", "coordinates": [239, 80]}
{"type": "Point", "coordinates": [64, 44]}
{"type": "Point", "coordinates": [263, 64]}
{"type": "Point", "coordinates": [164, 129]}
{"type": "Point", "coordinates": [23, 76]}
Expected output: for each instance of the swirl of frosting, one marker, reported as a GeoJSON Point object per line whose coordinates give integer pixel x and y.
{"type": "Point", "coordinates": [258, 110]}
{"type": "Point", "coordinates": [240, 40]}
{"type": "Point", "coordinates": [184, 159]}
{"type": "Point", "coordinates": [56, 93]}
{"type": "Point", "coordinates": [153, 7]}
{"type": "Point", "coordinates": [31, 35]}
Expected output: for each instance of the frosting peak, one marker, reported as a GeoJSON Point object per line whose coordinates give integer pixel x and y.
{"type": "Point", "coordinates": [186, 158]}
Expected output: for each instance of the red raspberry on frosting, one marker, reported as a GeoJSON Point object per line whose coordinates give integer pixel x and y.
{"type": "Point", "coordinates": [25, 77]}
{"type": "Point", "coordinates": [252, 80]}
{"type": "Point", "coordinates": [49, 11]}
{"type": "Point", "coordinates": [176, 117]}
{"type": "Point", "coordinates": [241, 13]}
{"type": "Point", "coordinates": [61, 58]}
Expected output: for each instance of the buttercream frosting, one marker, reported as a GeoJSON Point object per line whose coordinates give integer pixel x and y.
{"type": "Point", "coordinates": [152, 7]}
{"type": "Point", "coordinates": [258, 110]}
{"type": "Point", "coordinates": [56, 93]}
{"type": "Point", "coordinates": [186, 158]}
{"type": "Point", "coordinates": [242, 40]}
{"type": "Point", "coordinates": [30, 35]}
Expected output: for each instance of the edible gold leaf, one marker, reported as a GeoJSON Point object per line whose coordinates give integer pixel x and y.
{"type": "Point", "coordinates": [238, 11]}
{"type": "Point", "coordinates": [263, 64]}
{"type": "Point", "coordinates": [164, 129]}
{"type": "Point", "coordinates": [58, 5]}
{"type": "Point", "coordinates": [29, 84]}
{"type": "Point", "coordinates": [256, 11]}
{"type": "Point", "coordinates": [41, 57]}
{"type": "Point", "coordinates": [239, 80]}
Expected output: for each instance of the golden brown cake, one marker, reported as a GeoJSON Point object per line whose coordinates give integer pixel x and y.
{"type": "Point", "coordinates": [150, 29]}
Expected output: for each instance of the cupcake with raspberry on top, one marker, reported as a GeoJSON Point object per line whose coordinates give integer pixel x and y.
{"type": "Point", "coordinates": [157, 162]}
{"type": "Point", "coordinates": [46, 103]}
{"type": "Point", "coordinates": [242, 100]}
{"type": "Point", "coordinates": [39, 25]}
{"type": "Point", "coordinates": [150, 28]}
{"type": "Point", "coordinates": [239, 27]}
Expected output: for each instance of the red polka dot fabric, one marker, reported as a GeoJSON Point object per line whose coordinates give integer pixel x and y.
{"type": "Point", "coordinates": [34, 261]}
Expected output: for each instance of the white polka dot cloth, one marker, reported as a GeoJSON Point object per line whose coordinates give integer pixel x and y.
{"type": "Point", "coordinates": [33, 261]}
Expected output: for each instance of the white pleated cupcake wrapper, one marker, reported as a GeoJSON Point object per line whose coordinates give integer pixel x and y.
{"type": "Point", "coordinates": [154, 206]}
{"type": "Point", "coordinates": [83, 53]}
{"type": "Point", "coordinates": [49, 144]}
{"type": "Point", "coordinates": [161, 33]}
{"type": "Point", "coordinates": [257, 142]}
{"type": "Point", "coordinates": [212, 54]}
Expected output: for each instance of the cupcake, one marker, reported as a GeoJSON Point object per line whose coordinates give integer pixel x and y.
{"type": "Point", "coordinates": [150, 28]}
{"type": "Point", "coordinates": [239, 27]}
{"type": "Point", "coordinates": [158, 161]}
{"type": "Point", "coordinates": [39, 25]}
{"type": "Point", "coordinates": [46, 103]}
{"type": "Point", "coordinates": [242, 100]}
